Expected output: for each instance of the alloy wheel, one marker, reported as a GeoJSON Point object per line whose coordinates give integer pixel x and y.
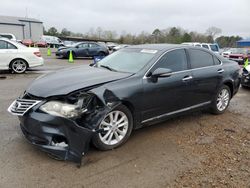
{"type": "Point", "coordinates": [19, 66]}
{"type": "Point", "coordinates": [115, 127]}
{"type": "Point", "coordinates": [223, 99]}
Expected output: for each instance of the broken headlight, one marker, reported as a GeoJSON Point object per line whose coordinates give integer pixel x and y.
{"type": "Point", "coordinates": [58, 108]}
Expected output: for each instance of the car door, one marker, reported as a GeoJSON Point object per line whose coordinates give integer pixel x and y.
{"type": "Point", "coordinates": [93, 49]}
{"type": "Point", "coordinates": [167, 95]}
{"type": "Point", "coordinates": [207, 74]}
{"type": "Point", "coordinates": [82, 50]}
{"type": "Point", "coordinates": [7, 53]}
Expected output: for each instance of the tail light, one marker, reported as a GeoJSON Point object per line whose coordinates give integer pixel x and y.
{"type": "Point", "coordinates": [38, 54]}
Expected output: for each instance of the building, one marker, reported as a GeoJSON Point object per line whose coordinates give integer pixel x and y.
{"type": "Point", "coordinates": [243, 43]}
{"type": "Point", "coordinates": [22, 28]}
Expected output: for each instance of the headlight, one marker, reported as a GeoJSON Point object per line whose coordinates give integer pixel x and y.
{"type": "Point", "coordinates": [61, 109]}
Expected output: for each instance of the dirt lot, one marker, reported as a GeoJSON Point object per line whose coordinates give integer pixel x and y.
{"type": "Point", "coordinates": [195, 150]}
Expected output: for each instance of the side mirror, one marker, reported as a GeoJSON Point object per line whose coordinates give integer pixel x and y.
{"type": "Point", "coordinates": [77, 46]}
{"type": "Point", "coordinates": [161, 72]}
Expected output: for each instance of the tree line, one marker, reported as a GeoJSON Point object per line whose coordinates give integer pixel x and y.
{"type": "Point", "coordinates": [174, 35]}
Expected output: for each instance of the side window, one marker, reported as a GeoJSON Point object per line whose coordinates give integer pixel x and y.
{"type": "Point", "coordinates": [83, 45]}
{"type": "Point", "coordinates": [199, 58]}
{"type": "Point", "coordinates": [92, 45]}
{"type": "Point", "coordinates": [216, 61]}
{"type": "Point", "coordinates": [198, 45]}
{"type": "Point", "coordinates": [3, 44]}
{"type": "Point", "coordinates": [175, 60]}
{"type": "Point", "coordinates": [11, 46]}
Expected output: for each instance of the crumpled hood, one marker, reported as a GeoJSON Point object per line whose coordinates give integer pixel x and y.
{"type": "Point", "coordinates": [68, 80]}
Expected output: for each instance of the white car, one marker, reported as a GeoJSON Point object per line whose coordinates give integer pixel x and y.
{"type": "Point", "coordinates": [17, 57]}
{"type": "Point", "coordinates": [212, 47]}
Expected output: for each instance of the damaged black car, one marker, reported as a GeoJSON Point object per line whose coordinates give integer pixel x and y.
{"type": "Point", "coordinates": [63, 112]}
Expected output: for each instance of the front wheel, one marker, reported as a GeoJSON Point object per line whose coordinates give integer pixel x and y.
{"type": "Point", "coordinates": [222, 100]}
{"type": "Point", "coordinates": [116, 128]}
{"type": "Point", "coordinates": [18, 66]}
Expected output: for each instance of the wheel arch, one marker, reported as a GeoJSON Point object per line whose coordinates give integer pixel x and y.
{"type": "Point", "coordinates": [19, 58]}
{"type": "Point", "coordinates": [131, 108]}
{"type": "Point", "coordinates": [229, 83]}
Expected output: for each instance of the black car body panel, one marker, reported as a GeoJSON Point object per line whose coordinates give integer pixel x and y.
{"type": "Point", "coordinates": [150, 100]}
{"type": "Point", "coordinates": [77, 78]}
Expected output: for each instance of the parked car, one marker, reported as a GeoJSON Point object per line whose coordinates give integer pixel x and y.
{"type": "Point", "coordinates": [17, 57]}
{"type": "Point", "coordinates": [53, 42]}
{"type": "Point", "coordinates": [41, 44]}
{"type": "Point", "coordinates": [83, 49]}
{"type": "Point", "coordinates": [131, 88]}
{"type": "Point", "coordinates": [245, 79]}
{"type": "Point", "coordinates": [212, 47]}
{"type": "Point", "coordinates": [227, 52]}
{"type": "Point", "coordinates": [239, 55]}
{"type": "Point", "coordinates": [27, 42]}
{"type": "Point", "coordinates": [8, 36]}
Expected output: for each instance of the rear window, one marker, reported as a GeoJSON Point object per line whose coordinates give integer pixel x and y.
{"type": "Point", "coordinates": [214, 47]}
{"type": "Point", "coordinates": [199, 58]}
{"type": "Point", "coordinates": [205, 46]}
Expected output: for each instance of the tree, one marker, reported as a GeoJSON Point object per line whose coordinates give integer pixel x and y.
{"type": "Point", "coordinates": [227, 41]}
{"type": "Point", "coordinates": [186, 38]}
{"type": "Point", "coordinates": [65, 32]}
{"type": "Point", "coordinates": [52, 31]}
{"type": "Point", "coordinates": [213, 31]}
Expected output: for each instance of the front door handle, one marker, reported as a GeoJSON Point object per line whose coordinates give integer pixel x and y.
{"type": "Point", "coordinates": [220, 70]}
{"type": "Point", "coordinates": [186, 78]}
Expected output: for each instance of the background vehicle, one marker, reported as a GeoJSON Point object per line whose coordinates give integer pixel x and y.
{"type": "Point", "coordinates": [239, 55]}
{"type": "Point", "coordinates": [83, 49]}
{"type": "Point", "coordinates": [41, 44]}
{"type": "Point", "coordinates": [53, 42]}
{"type": "Point", "coordinates": [8, 36]}
{"type": "Point", "coordinates": [212, 47]}
{"type": "Point", "coordinates": [17, 57]}
{"type": "Point", "coordinates": [27, 42]}
{"type": "Point", "coordinates": [105, 102]}
{"type": "Point", "coordinates": [227, 52]}
{"type": "Point", "coordinates": [245, 79]}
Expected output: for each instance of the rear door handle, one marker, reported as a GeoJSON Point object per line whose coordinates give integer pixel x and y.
{"type": "Point", "coordinates": [220, 70]}
{"type": "Point", "coordinates": [186, 78]}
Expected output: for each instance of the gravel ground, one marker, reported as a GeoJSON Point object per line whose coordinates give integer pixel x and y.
{"type": "Point", "coordinates": [195, 150]}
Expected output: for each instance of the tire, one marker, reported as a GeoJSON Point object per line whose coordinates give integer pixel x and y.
{"type": "Point", "coordinates": [223, 97]}
{"type": "Point", "coordinates": [18, 66]}
{"type": "Point", "coordinates": [116, 138]}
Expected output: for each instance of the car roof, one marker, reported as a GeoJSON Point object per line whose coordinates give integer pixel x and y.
{"type": "Point", "coordinates": [158, 47]}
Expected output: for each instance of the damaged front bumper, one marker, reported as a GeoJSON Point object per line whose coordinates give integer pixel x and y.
{"type": "Point", "coordinates": [62, 138]}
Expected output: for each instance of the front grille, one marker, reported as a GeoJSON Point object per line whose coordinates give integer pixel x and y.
{"type": "Point", "coordinates": [20, 106]}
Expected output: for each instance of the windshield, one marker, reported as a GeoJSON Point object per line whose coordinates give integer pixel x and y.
{"type": "Point", "coordinates": [127, 60]}
{"type": "Point", "coordinates": [214, 47]}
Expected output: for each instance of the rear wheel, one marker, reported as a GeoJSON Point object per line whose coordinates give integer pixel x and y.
{"type": "Point", "coordinates": [222, 100]}
{"type": "Point", "coordinates": [117, 126]}
{"type": "Point", "coordinates": [18, 66]}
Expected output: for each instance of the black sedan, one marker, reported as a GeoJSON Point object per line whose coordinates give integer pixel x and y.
{"type": "Point", "coordinates": [131, 88]}
{"type": "Point", "coordinates": [83, 49]}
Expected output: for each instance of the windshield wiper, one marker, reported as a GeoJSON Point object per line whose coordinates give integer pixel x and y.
{"type": "Point", "coordinates": [109, 68]}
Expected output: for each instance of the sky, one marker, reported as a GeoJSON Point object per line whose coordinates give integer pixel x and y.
{"type": "Point", "coordinates": [135, 16]}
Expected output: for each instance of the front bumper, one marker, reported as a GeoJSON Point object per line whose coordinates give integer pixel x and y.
{"type": "Point", "coordinates": [60, 137]}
